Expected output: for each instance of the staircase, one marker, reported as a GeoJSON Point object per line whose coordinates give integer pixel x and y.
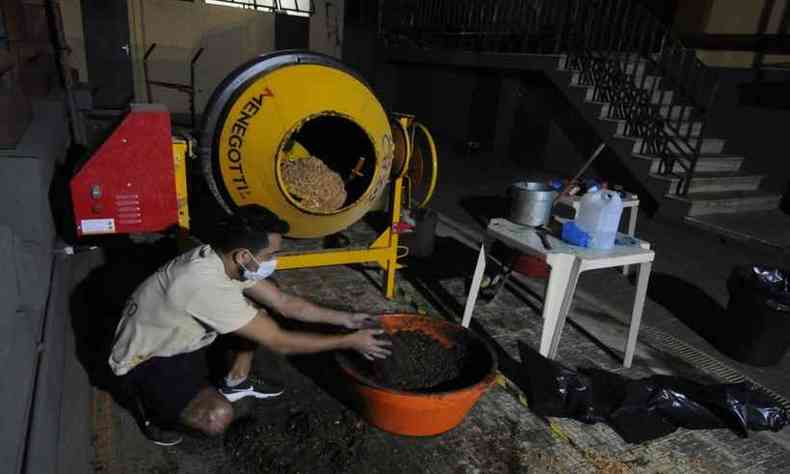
{"type": "Point", "coordinates": [648, 97]}
{"type": "Point", "coordinates": [718, 183]}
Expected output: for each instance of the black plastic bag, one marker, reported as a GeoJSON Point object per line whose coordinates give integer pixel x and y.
{"type": "Point", "coordinates": [742, 407]}
{"type": "Point", "coordinates": [636, 420]}
{"type": "Point", "coordinates": [756, 326]}
{"type": "Point", "coordinates": [774, 283]}
{"type": "Point", "coordinates": [688, 404]}
{"type": "Point", "coordinates": [555, 390]}
{"type": "Point", "coordinates": [608, 391]}
{"type": "Point", "coordinates": [644, 409]}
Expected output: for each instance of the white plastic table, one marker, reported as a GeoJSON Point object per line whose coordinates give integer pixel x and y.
{"type": "Point", "coordinates": [630, 201]}
{"type": "Point", "coordinates": [566, 262]}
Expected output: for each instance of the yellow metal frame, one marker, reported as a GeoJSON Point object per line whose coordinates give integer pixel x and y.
{"type": "Point", "coordinates": [403, 122]}
{"type": "Point", "coordinates": [383, 250]}
{"type": "Point", "coordinates": [409, 127]}
{"type": "Point", "coordinates": [434, 162]}
{"type": "Point", "coordinates": [180, 153]}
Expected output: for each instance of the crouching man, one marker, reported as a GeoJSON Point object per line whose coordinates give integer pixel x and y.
{"type": "Point", "coordinates": [160, 347]}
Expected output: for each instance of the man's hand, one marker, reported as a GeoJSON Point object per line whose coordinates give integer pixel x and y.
{"type": "Point", "coordinates": [366, 343]}
{"type": "Point", "coordinates": [361, 321]}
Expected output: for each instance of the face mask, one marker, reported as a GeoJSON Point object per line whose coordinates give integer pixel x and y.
{"type": "Point", "coordinates": [264, 271]}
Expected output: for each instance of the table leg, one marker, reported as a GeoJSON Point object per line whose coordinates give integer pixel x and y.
{"type": "Point", "coordinates": [570, 290]}
{"type": "Point", "coordinates": [631, 231]}
{"type": "Point", "coordinates": [477, 277]}
{"type": "Point", "coordinates": [555, 296]}
{"type": "Point", "coordinates": [636, 315]}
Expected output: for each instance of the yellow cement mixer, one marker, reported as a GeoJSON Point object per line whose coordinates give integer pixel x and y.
{"type": "Point", "coordinates": [283, 109]}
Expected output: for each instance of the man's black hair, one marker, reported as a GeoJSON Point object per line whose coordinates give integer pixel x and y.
{"type": "Point", "coordinates": [248, 228]}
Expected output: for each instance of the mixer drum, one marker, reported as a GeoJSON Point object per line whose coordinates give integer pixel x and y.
{"type": "Point", "coordinates": [289, 106]}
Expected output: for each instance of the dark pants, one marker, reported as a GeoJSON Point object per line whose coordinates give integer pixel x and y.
{"type": "Point", "coordinates": [165, 385]}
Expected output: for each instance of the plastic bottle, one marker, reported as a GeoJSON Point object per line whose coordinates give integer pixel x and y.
{"type": "Point", "coordinates": [599, 216]}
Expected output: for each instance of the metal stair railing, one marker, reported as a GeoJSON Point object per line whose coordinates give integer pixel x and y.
{"type": "Point", "coordinates": [619, 48]}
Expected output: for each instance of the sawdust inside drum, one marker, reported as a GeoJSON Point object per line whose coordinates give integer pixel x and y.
{"type": "Point", "coordinates": [326, 164]}
{"type": "Point", "coordinates": [311, 182]}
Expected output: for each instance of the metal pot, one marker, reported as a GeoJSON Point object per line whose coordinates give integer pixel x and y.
{"type": "Point", "coordinates": [531, 203]}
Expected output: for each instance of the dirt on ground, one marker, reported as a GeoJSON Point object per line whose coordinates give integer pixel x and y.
{"type": "Point", "coordinates": [303, 437]}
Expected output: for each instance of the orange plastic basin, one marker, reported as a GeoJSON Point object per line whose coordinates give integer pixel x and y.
{"type": "Point", "coordinates": [424, 414]}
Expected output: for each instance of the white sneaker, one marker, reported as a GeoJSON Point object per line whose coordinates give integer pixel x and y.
{"type": "Point", "coordinates": [251, 387]}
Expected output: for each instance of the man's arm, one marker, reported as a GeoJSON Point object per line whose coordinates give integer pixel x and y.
{"type": "Point", "coordinates": [294, 307]}
{"type": "Point", "coordinates": [264, 330]}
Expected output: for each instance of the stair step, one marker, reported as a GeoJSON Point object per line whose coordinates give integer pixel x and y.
{"type": "Point", "coordinates": [730, 202]}
{"type": "Point", "coordinates": [635, 67]}
{"type": "Point", "coordinates": [710, 146]}
{"type": "Point", "coordinates": [716, 181]}
{"type": "Point", "coordinates": [683, 128]}
{"type": "Point", "coordinates": [649, 82]}
{"type": "Point", "coordinates": [624, 59]}
{"type": "Point", "coordinates": [632, 67]}
{"type": "Point", "coordinates": [676, 112]}
{"type": "Point", "coordinates": [663, 97]}
{"type": "Point", "coordinates": [705, 163]}
{"type": "Point", "coordinates": [660, 96]}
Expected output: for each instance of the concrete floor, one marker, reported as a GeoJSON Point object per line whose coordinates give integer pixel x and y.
{"type": "Point", "coordinates": [501, 434]}
{"type": "Point", "coordinates": [766, 228]}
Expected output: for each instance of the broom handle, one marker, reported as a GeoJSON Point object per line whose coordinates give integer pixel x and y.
{"type": "Point", "coordinates": [581, 171]}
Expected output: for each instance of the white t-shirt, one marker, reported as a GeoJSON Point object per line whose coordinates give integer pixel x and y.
{"type": "Point", "coordinates": [180, 308]}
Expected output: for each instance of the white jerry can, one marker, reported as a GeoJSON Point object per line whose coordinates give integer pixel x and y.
{"type": "Point", "coordinates": [599, 216]}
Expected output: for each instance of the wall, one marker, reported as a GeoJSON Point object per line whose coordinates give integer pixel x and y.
{"type": "Point", "coordinates": [539, 129]}
{"type": "Point", "coordinates": [291, 32]}
{"type": "Point", "coordinates": [440, 97]}
{"type": "Point", "coordinates": [229, 36]}
{"type": "Point", "coordinates": [522, 119]}
{"type": "Point", "coordinates": [739, 17]}
{"type": "Point", "coordinates": [692, 17]}
{"type": "Point", "coordinates": [326, 27]}
{"type": "Point", "coordinates": [72, 29]}
{"type": "Point", "coordinates": [757, 133]}
{"type": "Point", "coordinates": [361, 50]}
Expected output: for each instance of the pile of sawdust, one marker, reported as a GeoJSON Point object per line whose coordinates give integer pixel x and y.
{"type": "Point", "coordinates": [311, 182]}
